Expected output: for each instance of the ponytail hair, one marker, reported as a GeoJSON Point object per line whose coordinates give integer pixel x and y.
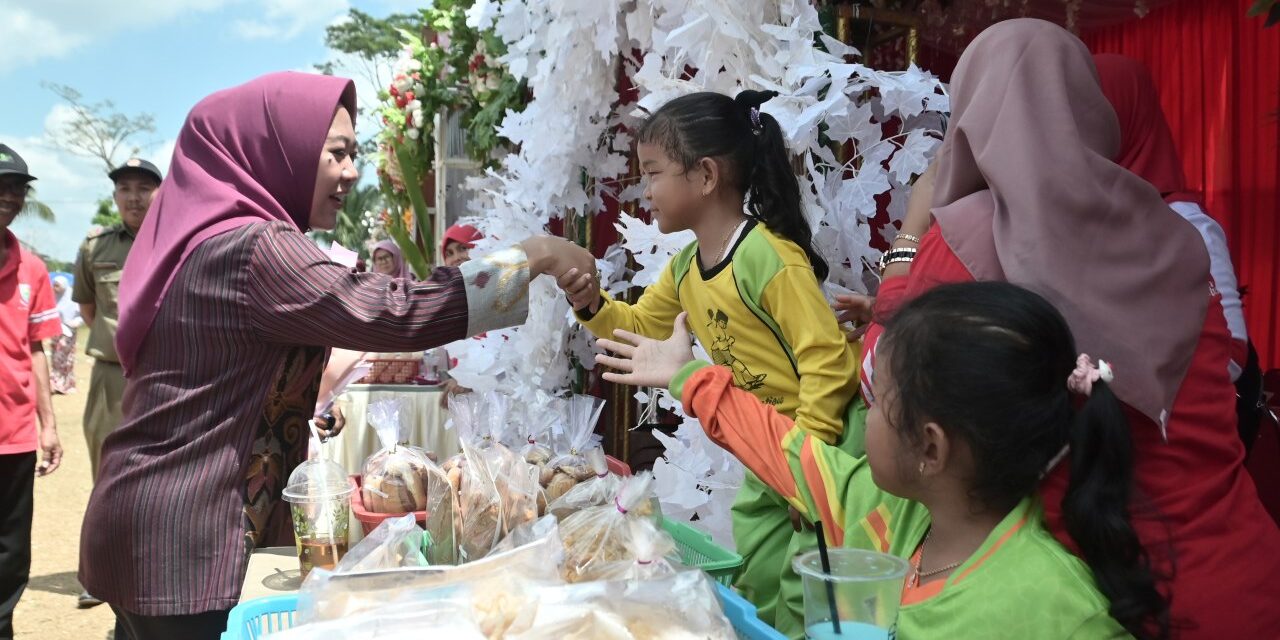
{"type": "Point", "coordinates": [752, 153]}
{"type": "Point", "coordinates": [989, 363]}
{"type": "Point", "coordinates": [1095, 511]}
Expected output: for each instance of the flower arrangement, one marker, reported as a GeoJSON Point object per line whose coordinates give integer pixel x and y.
{"type": "Point", "coordinates": [456, 70]}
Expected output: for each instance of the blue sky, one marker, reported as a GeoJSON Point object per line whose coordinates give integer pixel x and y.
{"type": "Point", "coordinates": [152, 56]}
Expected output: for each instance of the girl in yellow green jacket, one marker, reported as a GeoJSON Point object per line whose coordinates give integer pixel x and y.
{"type": "Point", "coordinates": [979, 394]}
{"type": "Point", "coordinates": [750, 284]}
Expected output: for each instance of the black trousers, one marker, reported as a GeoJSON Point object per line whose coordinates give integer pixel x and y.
{"type": "Point", "coordinates": [17, 484]}
{"type": "Point", "coordinates": [199, 626]}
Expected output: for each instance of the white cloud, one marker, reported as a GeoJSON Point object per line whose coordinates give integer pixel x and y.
{"type": "Point", "coordinates": [70, 184]}
{"type": "Point", "coordinates": [54, 28]}
{"type": "Point", "coordinates": [25, 38]}
{"type": "Point", "coordinates": [286, 19]}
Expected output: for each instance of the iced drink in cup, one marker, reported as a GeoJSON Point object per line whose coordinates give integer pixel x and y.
{"type": "Point", "coordinates": [863, 591]}
{"type": "Point", "coordinates": [319, 497]}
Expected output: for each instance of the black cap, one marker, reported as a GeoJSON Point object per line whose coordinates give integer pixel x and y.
{"type": "Point", "coordinates": [12, 164]}
{"type": "Point", "coordinates": [136, 165]}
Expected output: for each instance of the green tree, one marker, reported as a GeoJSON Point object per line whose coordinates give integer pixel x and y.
{"type": "Point", "coordinates": [97, 130]}
{"type": "Point", "coordinates": [106, 215]}
{"type": "Point", "coordinates": [352, 231]}
{"type": "Point", "coordinates": [34, 207]}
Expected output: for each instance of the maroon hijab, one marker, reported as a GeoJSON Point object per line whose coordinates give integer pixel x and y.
{"type": "Point", "coordinates": [1026, 192]}
{"type": "Point", "coordinates": [245, 154]}
{"type": "Point", "coordinates": [1146, 143]}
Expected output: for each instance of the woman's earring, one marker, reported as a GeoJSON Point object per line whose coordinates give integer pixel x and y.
{"type": "Point", "coordinates": [922, 467]}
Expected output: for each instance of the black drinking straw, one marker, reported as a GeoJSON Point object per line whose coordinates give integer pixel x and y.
{"type": "Point", "coordinates": [826, 569]}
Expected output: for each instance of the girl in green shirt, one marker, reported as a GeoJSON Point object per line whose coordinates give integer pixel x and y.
{"type": "Point", "coordinates": [979, 393]}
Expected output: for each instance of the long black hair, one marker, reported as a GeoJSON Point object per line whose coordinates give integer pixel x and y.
{"type": "Point", "coordinates": [988, 362]}
{"type": "Point", "coordinates": [751, 151]}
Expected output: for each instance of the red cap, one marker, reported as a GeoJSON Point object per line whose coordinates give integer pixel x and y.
{"type": "Point", "coordinates": [463, 234]}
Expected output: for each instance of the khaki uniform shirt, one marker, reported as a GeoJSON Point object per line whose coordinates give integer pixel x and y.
{"type": "Point", "coordinates": [98, 267]}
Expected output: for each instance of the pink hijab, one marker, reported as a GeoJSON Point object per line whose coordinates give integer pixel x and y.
{"type": "Point", "coordinates": [390, 246]}
{"type": "Point", "coordinates": [1026, 192]}
{"type": "Point", "coordinates": [245, 154]}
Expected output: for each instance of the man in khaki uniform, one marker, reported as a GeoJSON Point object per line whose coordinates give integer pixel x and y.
{"type": "Point", "coordinates": [97, 285]}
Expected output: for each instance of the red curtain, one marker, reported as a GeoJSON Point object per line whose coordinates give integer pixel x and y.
{"type": "Point", "coordinates": [1218, 73]}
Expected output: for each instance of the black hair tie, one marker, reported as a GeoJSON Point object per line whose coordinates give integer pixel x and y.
{"type": "Point", "coordinates": [750, 101]}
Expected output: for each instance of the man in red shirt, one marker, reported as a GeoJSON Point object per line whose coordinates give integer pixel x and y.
{"type": "Point", "coordinates": [28, 316]}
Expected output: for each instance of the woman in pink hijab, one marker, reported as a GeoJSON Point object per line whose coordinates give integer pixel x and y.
{"type": "Point", "coordinates": [389, 260]}
{"type": "Point", "coordinates": [227, 312]}
{"type": "Point", "coordinates": [1026, 192]}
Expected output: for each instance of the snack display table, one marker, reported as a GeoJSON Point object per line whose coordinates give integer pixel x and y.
{"type": "Point", "coordinates": [358, 440]}
{"type": "Point", "coordinates": [272, 571]}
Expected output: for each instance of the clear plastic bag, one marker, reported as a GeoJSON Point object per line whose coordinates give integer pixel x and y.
{"type": "Point", "coordinates": [396, 478]}
{"type": "Point", "coordinates": [599, 490]}
{"type": "Point", "coordinates": [383, 585]}
{"type": "Point", "coordinates": [678, 606]}
{"type": "Point", "coordinates": [576, 439]}
{"type": "Point", "coordinates": [479, 502]}
{"type": "Point", "coordinates": [597, 537]}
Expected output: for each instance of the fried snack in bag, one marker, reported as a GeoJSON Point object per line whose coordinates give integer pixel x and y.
{"type": "Point", "coordinates": [396, 478]}
{"type": "Point", "coordinates": [570, 465]}
{"type": "Point", "coordinates": [392, 587]}
{"type": "Point", "coordinates": [479, 503]}
{"type": "Point", "coordinates": [678, 606]}
{"type": "Point", "coordinates": [597, 537]}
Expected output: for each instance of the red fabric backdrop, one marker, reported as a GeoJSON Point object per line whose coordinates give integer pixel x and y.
{"type": "Point", "coordinates": [1218, 73]}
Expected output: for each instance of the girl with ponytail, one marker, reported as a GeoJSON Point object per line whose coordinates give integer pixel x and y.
{"type": "Point", "coordinates": [750, 284]}
{"type": "Point", "coordinates": [980, 393]}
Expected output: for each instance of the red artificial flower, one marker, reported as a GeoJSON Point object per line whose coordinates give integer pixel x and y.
{"type": "Point", "coordinates": [408, 96]}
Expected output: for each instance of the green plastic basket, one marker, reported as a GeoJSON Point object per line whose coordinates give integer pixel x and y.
{"type": "Point", "coordinates": [697, 549]}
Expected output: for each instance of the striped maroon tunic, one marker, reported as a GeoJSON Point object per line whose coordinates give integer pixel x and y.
{"type": "Point", "coordinates": [165, 529]}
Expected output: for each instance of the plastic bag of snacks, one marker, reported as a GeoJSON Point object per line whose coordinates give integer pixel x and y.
{"type": "Point", "coordinates": [599, 490]}
{"type": "Point", "coordinates": [479, 502]}
{"type": "Point", "coordinates": [650, 553]}
{"type": "Point", "coordinates": [397, 478]}
{"type": "Point", "coordinates": [570, 464]}
{"type": "Point", "coordinates": [679, 606]}
{"type": "Point", "coordinates": [536, 428]}
{"type": "Point", "coordinates": [517, 485]}
{"type": "Point", "coordinates": [596, 538]}
{"type": "Point", "coordinates": [384, 586]}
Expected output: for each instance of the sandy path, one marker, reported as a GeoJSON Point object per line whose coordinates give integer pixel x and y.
{"type": "Point", "coordinates": [48, 608]}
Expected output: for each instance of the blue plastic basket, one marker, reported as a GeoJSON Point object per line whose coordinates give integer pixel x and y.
{"type": "Point", "coordinates": [742, 615]}
{"type": "Point", "coordinates": [260, 617]}
{"type": "Point", "coordinates": [255, 619]}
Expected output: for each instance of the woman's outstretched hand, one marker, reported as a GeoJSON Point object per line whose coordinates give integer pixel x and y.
{"type": "Point", "coordinates": [556, 257]}
{"type": "Point", "coordinates": [645, 362]}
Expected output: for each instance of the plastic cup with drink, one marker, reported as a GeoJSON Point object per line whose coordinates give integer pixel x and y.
{"type": "Point", "coordinates": [319, 497]}
{"type": "Point", "coordinates": [856, 598]}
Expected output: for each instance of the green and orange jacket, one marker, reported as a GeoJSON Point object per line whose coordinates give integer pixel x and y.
{"type": "Point", "coordinates": [1021, 583]}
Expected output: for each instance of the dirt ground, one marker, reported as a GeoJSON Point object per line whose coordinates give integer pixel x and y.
{"type": "Point", "coordinates": [48, 610]}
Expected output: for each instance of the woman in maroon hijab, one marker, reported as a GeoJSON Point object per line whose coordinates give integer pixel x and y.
{"type": "Point", "coordinates": [1026, 192]}
{"type": "Point", "coordinates": [226, 315]}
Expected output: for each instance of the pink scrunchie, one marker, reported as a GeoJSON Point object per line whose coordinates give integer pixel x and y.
{"type": "Point", "coordinates": [1086, 374]}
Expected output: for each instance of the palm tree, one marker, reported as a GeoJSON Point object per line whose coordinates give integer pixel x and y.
{"type": "Point", "coordinates": [36, 208]}
{"type": "Point", "coordinates": [351, 231]}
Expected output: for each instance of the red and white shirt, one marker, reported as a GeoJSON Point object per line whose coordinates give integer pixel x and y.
{"type": "Point", "coordinates": [28, 314]}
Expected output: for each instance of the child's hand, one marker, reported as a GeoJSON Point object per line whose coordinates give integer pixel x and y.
{"type": "Point", "coordinates": [645, 362]}
{"type": "Point", "coordinates": [582, 289]}
{"type": "Point", "coordinates": [855, 308]}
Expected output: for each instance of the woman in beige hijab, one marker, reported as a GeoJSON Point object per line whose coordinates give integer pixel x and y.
{"type": "Point", "coordinates": [1026, 192]}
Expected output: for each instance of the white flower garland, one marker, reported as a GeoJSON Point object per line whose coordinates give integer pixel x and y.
{"type": "Point", "coordinates": [569, 51]}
